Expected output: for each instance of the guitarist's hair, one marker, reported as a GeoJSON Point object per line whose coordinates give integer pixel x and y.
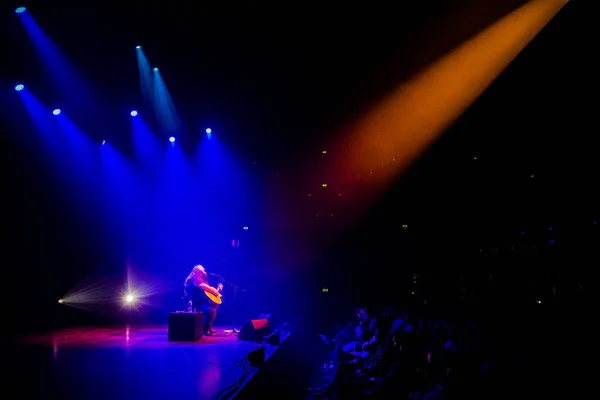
{"type": "Point", "coordinates": [198, 270]}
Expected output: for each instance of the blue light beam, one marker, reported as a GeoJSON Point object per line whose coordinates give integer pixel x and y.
{"type": "Point", "coordinates": [146, 84]}
{"type": "Point", "coordinates": [164, 106]}
{"type": "Point", "coordinates": [67, 153]}
{"type": "Point", "coordinates": [120, 191]}
{"type": "Point", "coordinates": [45, 125]}
{"type": "Point", "coordinates": [67, 81]}
{"type": "Point", "coordinates": [148, 149]}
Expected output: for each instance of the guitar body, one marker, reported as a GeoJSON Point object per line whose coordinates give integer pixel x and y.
{"type": "Point", "coordinates": [214, 300]}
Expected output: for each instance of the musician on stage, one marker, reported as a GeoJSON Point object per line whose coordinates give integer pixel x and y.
{"type": "Point", "coordinates": [196, 288]}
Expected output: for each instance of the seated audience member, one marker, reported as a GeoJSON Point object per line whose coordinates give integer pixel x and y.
{"type": "Point", "coordinates": [378, 334]}
{"type": "Point", "coordinates": [360, 374]}
{"type": "Point", "coordinates": [347, 332]}
{"type": "Point", "coordinates": [392, 377]}
{"type": "Point", "coordinates": [400, 322]}
{"type": "Point", "coordinates": [348, 341]}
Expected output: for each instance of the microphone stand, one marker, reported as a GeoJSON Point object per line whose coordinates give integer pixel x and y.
{"type": "Point", "coordinates": [236, 290]}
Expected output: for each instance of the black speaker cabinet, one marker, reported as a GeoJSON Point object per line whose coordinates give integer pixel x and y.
{"type": "Point", "coordinates": [185, 326]}
{"type": "Point", "coordinates": [256, 357]}
{"type": "Point", "coordinates": [273, 338]}
{"type": "Point", "coordinates": [255, 329]}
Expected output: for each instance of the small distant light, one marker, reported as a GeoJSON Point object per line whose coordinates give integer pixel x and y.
{"type": "Point", "coordinates": [134, 113]}
{"type": "Point", "coordinates": [324, 152]}
{"type": "Point", "coordinates": [138, 47]}
{"type": "Point", "coordinates": [552, 241]}
{"type": "Point", "coordinates": [532, 176]}
{"type": "Point", "coordinates": [208, 130]}
{"type": "Point", "coordinates": [325, 290]}
{"type": "Point", "coordinates": [595, 223]}
{"type": "Point", "coordinates": [155, 69]}
{"type": "Point", "coordinates": [56, 111]}
{"type": "Point", "coordinates": [522, 233]}
{"type": "Point", "coordinates": [404, 226]}
{"type": "Point", "coordinates": [475, 158]}
{"type": "Point", "coordinates": [129, 299]}
{"type": "Point", "coordinates": [20, 10]}
{"type": "Point", "coordinates": [60, 301]}
{"type": "Point", "coordinates": [103, 143]}
{"type": "Point", "coordinates": [172, 139]}
{"type": "Point", "coordinates": [245, 228]}
{"type": "Point", "coordinates": [550, 229]}
{"type": "Point", "coordinates": [324, 185]}
{"type": "Point", "coordinates": [539, 301]}
{"type": "Point", "coordinates": [18, 88]}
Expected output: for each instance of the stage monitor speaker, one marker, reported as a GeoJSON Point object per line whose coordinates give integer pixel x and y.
{"type": "Point", "coordinates": [273, 339]}
{"type": "Point", "coordinates": [256, 357]}
{"type": "Point", "coordinates": [255, 329]}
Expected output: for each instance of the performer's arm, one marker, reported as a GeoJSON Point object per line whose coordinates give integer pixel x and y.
{"type": "Point", "coordinates": [209, 288]}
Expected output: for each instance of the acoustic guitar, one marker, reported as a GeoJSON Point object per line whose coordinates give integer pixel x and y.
{"type": "Point", "coordinates": [212, 299]}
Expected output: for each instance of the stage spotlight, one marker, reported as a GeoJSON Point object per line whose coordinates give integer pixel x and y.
{"type": "Point", "coordinates": [138, 47]}
{"type": "Point", "coordinates": [129, 299]}
{"type": "Point", "coordinates": [208, 130]}
{"type": "Point", "coordinates": [172, 139]}
{"type": "Point", "coordinates": [18, 88]}
{"type": "Point", "coordinates": [20, 10]}
{"type": "Point", "coordinates": [134, 113]}
{"type": "Point", "coordinates": [56, 112]}
{"type": "Point", "coordinates": [60, 301]}
{"type": "Point", "coordinates": [103, 143]}
{"type": "Point", "coordinates": [155, 69]}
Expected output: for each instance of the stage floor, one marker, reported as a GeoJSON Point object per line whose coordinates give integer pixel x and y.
{"type": "Point", "coordinates": [126, 362]}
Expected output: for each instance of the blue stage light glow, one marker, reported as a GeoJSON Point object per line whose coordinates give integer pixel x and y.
{"type": "Point", "coordinates": [18, 88]}
{"type": "Point", "coordinates": [56, 111]}
{"type": "Point", "coordinates": [155, 69]}
{"type": "Point", "coordinates": [20, 10]}
{"type": "Point", "coordinates": [138, 47]}
{"type": "Point", "coordinates": [103, 143]}
{"type": "Point", "coordinates": [134, 113]}
{"type": "Point", "coordinates": [172, 139]}
{"type": "Point", "coordinates": [208, 130]}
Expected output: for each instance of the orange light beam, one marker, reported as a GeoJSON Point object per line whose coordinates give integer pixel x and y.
{"type": "Point", "coordinates": [407, 121]}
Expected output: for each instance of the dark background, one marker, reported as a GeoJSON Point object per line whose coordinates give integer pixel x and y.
{"type": "Point", "coordinates": [278, 81]}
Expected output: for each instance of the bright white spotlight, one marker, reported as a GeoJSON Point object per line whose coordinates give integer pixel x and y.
{"type": "Point", "coordinates": [103, 143]}
{"type": "Point", "coordinates": [155, 69]}
{"type": "Point", "coordinates": [56, 112]}
{"type": "Point", "coordinates": [19, 87]}
{"type": "Point", "coordinates": [208, 130]}
{"type": "Point", "coordinates": [60, 301]}
{"type": "Point", "coordinates": [172, 139]}
{"type": "Point", "coordinates": [138, 47]}
{"type": "Point", "coordinates": [129, 299]}
{"type": "Point", "coordinates": [134, 113]}
{"type": "Point", "coordinates": [20, 10]}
